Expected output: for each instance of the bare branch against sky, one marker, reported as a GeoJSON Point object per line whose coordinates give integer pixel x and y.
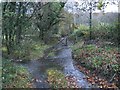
{"type": "Point", "coordinates": [112, 6]}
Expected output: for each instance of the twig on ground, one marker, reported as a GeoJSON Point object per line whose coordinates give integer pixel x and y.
{"type": "Point", "coordinates": [112, 77]}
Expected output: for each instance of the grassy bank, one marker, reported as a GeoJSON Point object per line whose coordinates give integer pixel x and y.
{"type": "Point", "coordinates": [57, 79]}
{"type": "Point", "coordinates": [15, 76]}
{"type": "Point", "coordinates": [100, 59]}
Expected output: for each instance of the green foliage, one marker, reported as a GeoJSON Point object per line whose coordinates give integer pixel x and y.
{"type": "Point", "coordinates": [100, 4]}
{"type": "Point", "coordinates": [115, 67]}
{"type": "Point", "coordinates": [83, 27]}
{"type": "Point", "coordinates": [3, 49]}
{"type": "Point", "coordinates": [105, 31]}
{"type": "Point", "coordinates": [103, 61]}
{"type": "Point", "coordinates": [81, 31]}
{"type": "Point", "coordinates": [46, 21]}
{"type": "Point", "coordinates": [66, 25]}
{"type": "Point", "coordinates": [23, 51]}
{"type": "Point", "coordinates": [77, 45]}
{"type": "Point", "coordinates": [100, 30]}
{"type": "Point", "coordinates": [14, 22]}
{"type": "Point", "coordinates": [56, 8]}
{"type": "Point", "coordinates": [18, 24]}
{"type": "Point", "coordinates": [100, 58]}
{"type": "Point", "coordinates": [38, 50]}
{"type": "Point", "coordinates": [29, 50]}
{"type": "Point", "coordinates": [14, 76]}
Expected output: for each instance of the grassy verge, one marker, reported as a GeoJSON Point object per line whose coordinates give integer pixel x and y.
{"type": "Point", "coordinates": [38, 50]}
{"type": "Point", "coordinates": [57, 79]}
{"type": "Point", "coordinates": [15, 76]}
{"type": "Point", "coordinates": [26, 51]}
{"type": "Point", "coordinates": [103, 61]}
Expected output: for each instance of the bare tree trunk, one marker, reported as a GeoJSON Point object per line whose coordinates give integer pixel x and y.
{"type": "Point", "coordinates": [18, 31]}
{"type": "Point", "coordinates": [90, 20]}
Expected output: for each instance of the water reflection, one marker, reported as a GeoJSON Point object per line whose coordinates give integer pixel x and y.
{"type": "Point", "coordinates": [62, 61]}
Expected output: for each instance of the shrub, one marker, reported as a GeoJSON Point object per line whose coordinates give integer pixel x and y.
{"type": "Point", "coordinates": [102, 59]}
{"type": "Point", "coordinates": [105, 31]}
{"type": "Point", "coordinates": [82, 31]}
{"type": "Point", "coordinates": [28, 50]}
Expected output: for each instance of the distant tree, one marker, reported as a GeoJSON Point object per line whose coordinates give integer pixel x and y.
{"type": "Point", "coordinates": [47, 15]}
{"type": "Point", "coordinates": [66, 24]}
{"type": "Point", "coordinates": [19, 16]}
{"type": "Point", "coordinates": [13, 22]}
{"type": "Point", "coordinates": [90, 6]}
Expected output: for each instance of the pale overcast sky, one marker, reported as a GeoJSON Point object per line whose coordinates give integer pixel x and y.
{"type": "Point", "coordinates": [109, 8]}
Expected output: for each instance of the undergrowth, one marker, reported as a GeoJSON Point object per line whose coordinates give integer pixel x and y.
{"type": "Point", "coordinates": [100, 60]}
{"type": "Point", "coordinates": [57, 79]}
{"type": "Point", "coordinates": [14, 76]}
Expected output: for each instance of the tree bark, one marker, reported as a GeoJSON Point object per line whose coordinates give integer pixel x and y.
{"type": "Point", "coordinates": [90, 21]}
{"type": "Point", "coordinates": [18, 24]}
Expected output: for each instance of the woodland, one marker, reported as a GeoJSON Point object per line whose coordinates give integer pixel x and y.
{"type": "Point", "coordinates": [46, 46]}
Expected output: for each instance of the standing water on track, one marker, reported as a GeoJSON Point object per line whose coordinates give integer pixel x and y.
{"type": "Point", "coordinates": [62, 59]}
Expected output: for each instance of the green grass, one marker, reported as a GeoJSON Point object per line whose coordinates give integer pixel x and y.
{"type": "Point", "coordinates": [56, 78]}
{"type": "Point", "coordinates": [4, 49]}
{"type": "Point", "coordinates": [99, 58]}
{"type": "Point", "coordinates": [28, 50]}
{"type": "Point", "coordinates": [38, 50]}
{"type": "Point", "coordinates": [14, 76]}
{"type": "Point", "coordinates": [102, 61]}
{"type": "Point", "coordinates": [77, 45]}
